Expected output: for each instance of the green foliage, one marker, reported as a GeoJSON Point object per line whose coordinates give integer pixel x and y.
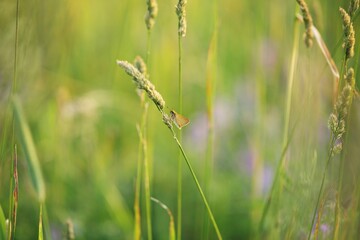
{"type": "Point", "coordinates": [80, 111]}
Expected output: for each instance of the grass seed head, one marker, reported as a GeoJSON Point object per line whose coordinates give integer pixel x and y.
{"type": "Point", "coordinates": [353, 7]}
{"type": "Point", "coordinates": [308, 36]}
{"type": "Point", "coordinates": [151, 14]}
{"type": "Point", "coordinates": [140, 65]}
{"type": "Point", "coordinates": [143, 83]}
{"type": "Point", "coordinates": [349, 34]}
{"type": "Point", "coordinates": [350, 79]}
{"type": "Point", "coordinates": [181, 13]}
{"type": "Point", "coordinates": [167, 121]}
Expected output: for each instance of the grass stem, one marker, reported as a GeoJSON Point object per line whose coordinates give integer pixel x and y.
{"type": "Point", "coordinates": [179, 180]}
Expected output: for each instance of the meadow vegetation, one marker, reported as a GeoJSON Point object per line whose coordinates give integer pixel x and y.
{"type": "Point", "coordinates": [261, 100]}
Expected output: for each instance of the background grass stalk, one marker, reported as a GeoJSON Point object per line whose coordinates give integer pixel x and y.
{"type": "Point", "coordinates": [41, 235]}
{"type": "Point", "coordinates": [142, 135]}
{"type": "Point", "coordinates": [294, 57]}
{"type": "Point", "coordinates": [137, 219]}
{"type": "Point", "coordinates": [210, 89]}
{"type": "Point", "coordinates": [150, 21]}
{"type": "Point", "coordinates": [179, 180]}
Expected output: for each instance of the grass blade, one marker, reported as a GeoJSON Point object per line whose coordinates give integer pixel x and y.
{"type": "Point", "coordinates": [29, 150]}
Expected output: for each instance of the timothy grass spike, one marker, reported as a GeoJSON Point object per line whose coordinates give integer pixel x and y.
{"type": "Point", "coordinates": [181, 13]}
{"type": "Point", "coordinates": [151, 14]}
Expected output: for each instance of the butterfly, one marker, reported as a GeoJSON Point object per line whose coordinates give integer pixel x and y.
{"type": "Point", "coordinates": [178, 119]}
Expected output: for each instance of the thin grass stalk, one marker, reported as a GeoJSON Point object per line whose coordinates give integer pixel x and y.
{"type": "Point", "coordinates": [142, 156]}
{"type": "Point", "coordinates": [137, 224]}
{"type": "Point", "coordinates": [152, 10]}
{"type": "Point", "coordinates": [199, 188]}
{"type": "Point", "coordinates": [294, 57]}
{"type": "Point", "coordinates": [142, 135]}
{"type": "Point", "coordinates": [181, 13]}
{"type": "Point", "coordinates": [41, 235]}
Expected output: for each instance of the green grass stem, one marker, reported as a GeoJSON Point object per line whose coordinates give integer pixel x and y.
{"type": "Point", "coordinates": [142, 135]}
{"type": "Point", "coordinates": [199, 187]}
{"type": "Point", "coordinates": [41, 235]}
{"type": "Point", "coordinates": [137, 219]}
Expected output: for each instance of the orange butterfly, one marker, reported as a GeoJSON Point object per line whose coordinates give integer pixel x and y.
{"type": "Point", "coordinates": [178, 119]}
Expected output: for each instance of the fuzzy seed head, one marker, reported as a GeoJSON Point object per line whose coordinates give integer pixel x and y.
{"type": "Point", "coordinates": [151, 14]}
{"type": "Point", "coordinates": [333, 122]}
{"type": "Point", "coordinates": [143, 83]}
{"type": "Point", "coordinates": [308, 22]}
{"type": "Point", "coordinates": [350, 79]}
{"type": "Point", "coordinates": [349, 34]}
{"type": "Point", "coordinates": [181, 13]}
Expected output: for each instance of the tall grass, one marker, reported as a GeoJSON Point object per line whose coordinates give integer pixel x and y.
{"type": "Point", "coordinates": [251, 80]}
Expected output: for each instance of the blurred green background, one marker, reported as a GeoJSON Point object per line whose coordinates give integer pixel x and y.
{"type": "Point", "coordinates": [83, 110]}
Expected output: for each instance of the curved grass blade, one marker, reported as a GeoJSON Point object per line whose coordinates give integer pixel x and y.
{"type": "Point", "coordinates": [171, 223]}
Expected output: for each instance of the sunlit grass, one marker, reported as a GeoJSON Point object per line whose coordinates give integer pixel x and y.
{"type": "Point", "coordinates": [82, 112]}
